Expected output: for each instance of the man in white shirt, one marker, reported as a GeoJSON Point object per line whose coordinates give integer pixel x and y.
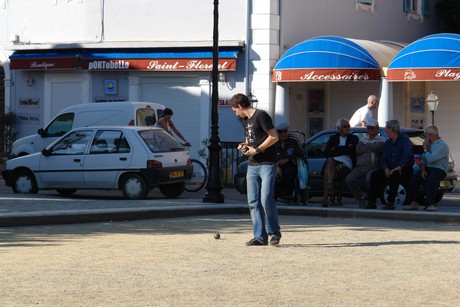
{"type": "Point", "coordinates": [364, 114]}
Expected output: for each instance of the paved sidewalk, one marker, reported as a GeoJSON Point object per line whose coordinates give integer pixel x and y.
{"type": "Point", "coordinates": [48, 207]}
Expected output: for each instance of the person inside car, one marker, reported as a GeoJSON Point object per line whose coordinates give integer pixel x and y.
{"type": "Point", "coordinates": [433, 168]}
{"type": "Point", "coordinates": [368, 153]}
{"type": "Point", "coordinates": [288, 151]}
{"type": "Point", "coordinates": [341, 156]}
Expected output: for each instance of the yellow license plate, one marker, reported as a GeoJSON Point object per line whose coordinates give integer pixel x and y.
{"type": "Point", "coordinates": [176, 174]}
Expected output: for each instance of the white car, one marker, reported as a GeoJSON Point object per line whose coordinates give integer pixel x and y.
{"type": "Point", "coordinates": [132, 159]}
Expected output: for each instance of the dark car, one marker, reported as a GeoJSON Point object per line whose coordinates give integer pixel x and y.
{"type": "Point", "coordinates": [315, 146]}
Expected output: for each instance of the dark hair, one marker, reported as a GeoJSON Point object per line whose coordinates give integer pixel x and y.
{"type": "Point", "coordinates": [240, 100]}
{"type": "Point", "coordinates": [167, 111]}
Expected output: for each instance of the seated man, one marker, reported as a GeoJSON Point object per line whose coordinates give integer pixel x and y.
{"type": "Point", "coordinates": [397, 166]}
{"type": "Point", "coordinates": [341, 156]}
{"type": "Point", "coordinates": [288, 151]}
{"type": "Point", "coordinates": [368, 153]}
{"type": "Point", "coordinates": [434, 167]}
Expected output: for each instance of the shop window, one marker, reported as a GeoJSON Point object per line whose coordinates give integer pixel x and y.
{"type": "Point", "coordinates": [416, 9]}
{"type": "Point", "coordinates": [315, 110]}
{"type": "Point", "coordinates": [366, 5]}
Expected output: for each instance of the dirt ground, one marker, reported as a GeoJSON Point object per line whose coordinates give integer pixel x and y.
{"type": "Point", "coordinates": [177, 262]}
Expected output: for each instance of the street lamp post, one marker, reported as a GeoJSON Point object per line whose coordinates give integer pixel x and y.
{"type": "Point", "coordinates": [214, 185]}
{"type": "Point", "coordinates": [432, 103]}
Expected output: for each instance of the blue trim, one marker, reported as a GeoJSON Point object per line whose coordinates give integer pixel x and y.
{"type": "Point", "coordinates": [43, 55]}
{"type": "Point", "coordinates": [159, 54]}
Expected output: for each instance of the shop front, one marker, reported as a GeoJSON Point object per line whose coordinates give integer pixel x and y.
{"type": "Point", "coordinates": [431, 64]}
{"type": "Point", "coordinates": [179, 78]}
{"type": "Point", "coordinates": [329, 77]}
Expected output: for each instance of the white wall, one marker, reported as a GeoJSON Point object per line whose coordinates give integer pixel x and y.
{"type": "Point", "coordinates": [85, 21]}
{"type": "Point", "coordinates": [303, 19]}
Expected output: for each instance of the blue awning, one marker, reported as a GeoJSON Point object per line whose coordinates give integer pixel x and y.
{"type": "Point", "coordinates": [332, 58]}
{"type": "Point", "coordinates": [432, 58]}
{"type": "Point", "coordinates": [194, 59]}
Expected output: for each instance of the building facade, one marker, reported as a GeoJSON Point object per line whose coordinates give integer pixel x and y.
{"type": "Point", "coordinates": [55, 53]}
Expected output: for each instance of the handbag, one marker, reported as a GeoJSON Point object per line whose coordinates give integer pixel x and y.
{"type": "Point", "coordinates": [302, 173]}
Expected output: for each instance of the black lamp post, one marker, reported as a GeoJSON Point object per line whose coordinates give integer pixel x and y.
{"type": "Point", "coordinates": [432, 103]}
{"type": "Point", "coordinates": [214, 185]}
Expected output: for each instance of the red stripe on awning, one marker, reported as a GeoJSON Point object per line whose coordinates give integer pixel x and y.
{"type": "Point", "coordinates": [43, 63]}
{"type": "Point", "coordinates": [157, 64]}
{"type": "Point", "coordinates": [424, 74]}
{"type": "Point", "coordinates": [326, 75]}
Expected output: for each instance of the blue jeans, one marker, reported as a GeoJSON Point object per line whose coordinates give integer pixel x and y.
{"type": "Point", "coordinates": [435, 175]}
{"type": "Point", "coordinates": [260, 185]}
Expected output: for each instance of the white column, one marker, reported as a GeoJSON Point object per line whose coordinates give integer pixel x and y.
{"type": "Point", "coordinates": [385, 111]}
{"type": "Point", "coordinates": [281, 104]}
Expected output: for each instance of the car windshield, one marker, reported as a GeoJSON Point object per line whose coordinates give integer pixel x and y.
{"type": "Point", "coordinates": [160, 141]}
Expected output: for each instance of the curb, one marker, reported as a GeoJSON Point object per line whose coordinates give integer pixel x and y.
{"type": "Point", "coordinates": [108, 215]}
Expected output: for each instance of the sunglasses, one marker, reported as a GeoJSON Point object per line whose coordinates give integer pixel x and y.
{"type": "Point", "coordinates": [282, 131]}
{"type": "Point", "coordinates": [346, 126]}
{"type": "Point", "coordinates": [370, 127]}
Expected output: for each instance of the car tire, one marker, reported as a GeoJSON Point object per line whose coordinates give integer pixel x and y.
{"type": "Point", "coordinates": [66, 191]}
{"type": "Point", "coordinates": [24, 182]}
{"type": "Point", "coordinates": [134, 187]}
{"type": "Point", "coordinates": [172, 190]}
{"type": "Point", "coordinates": [402, 196]}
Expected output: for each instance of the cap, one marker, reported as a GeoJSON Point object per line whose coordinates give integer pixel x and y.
{"type": "Point", "coordinates": [282, 126]}
{"type": "Point", "coordinates": [372, 123]}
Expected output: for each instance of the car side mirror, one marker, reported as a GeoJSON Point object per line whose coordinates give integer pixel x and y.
{"type": "Point", "coordinates": [46, 152]}
{"type": "Point", "coordinates": [41, 132]}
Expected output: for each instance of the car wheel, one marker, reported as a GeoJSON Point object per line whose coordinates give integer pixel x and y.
{"type": "Point", "coordinates": [24, 182]}
{"type": "Point", "coordinates": [172, 190]}
{"type": "Point", "coordinates": [66, 191]}
{"type": "Point", "coordinates": [402, 197]}
{"type": "Point", "coordinates": [134, 187]}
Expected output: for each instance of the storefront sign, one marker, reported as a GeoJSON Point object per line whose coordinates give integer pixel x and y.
{"type": "Point", "coordinates": [326, 75]}
{"type": "Point", "coordinates": [224, 102]}
{"type": "Point", "coordinates": [43, 64]}
{"type": "Point", "coordinates": [158, 64]}
{"type": "Point", "coordinates": [440, 74]}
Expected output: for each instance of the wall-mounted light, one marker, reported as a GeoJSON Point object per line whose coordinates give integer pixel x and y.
{"type": "Point", "coordinates": [432, 102]}
{"type": "Point", "coordinates": [30, 81]}
{"type": "Point", "coordinates": [253, 100]}
{"type": "Point", "coordinates": [222, 78]}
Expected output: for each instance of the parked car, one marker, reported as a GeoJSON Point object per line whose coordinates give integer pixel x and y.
{"type": "Point", "coordinates": [132, 159]}
{"type": "Point", "coordinates": [123, 113]}
{"type": "Point", "coordinates": [315, 146]}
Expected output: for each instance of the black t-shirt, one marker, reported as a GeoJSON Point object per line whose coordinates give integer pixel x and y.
{"type": "Point", "coordinates": [255, 129]}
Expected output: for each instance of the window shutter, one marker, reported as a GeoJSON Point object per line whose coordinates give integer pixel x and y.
{"type": "Point", "coordinates": [406, 6]}
{"type": "Point", "coordinates": [425, 7]}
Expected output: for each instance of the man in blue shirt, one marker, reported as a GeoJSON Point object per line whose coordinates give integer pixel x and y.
{"type": "Point", "coordinates": [434, 167]}
{"type": "Point", "coordinates": [397, 165]}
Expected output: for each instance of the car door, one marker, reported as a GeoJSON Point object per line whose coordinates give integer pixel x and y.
{"type": "Point", "coordinates": [63, 166]}
{"type": "Point", "coordinates": [315, 149]}
{"type": "Point", "coordinates": [110, 153]}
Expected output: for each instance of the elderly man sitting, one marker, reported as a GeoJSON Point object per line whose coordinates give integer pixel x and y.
{"type": "Point", "coordinates": [341, 156]}
{"type": "Point", "coordinates": [368, 153]}
{"type": "Point", "coordinates": [434, 167]}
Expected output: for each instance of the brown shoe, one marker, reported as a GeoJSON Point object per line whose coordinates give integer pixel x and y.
{"type": "Point", "coordinates": [389, 206]}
